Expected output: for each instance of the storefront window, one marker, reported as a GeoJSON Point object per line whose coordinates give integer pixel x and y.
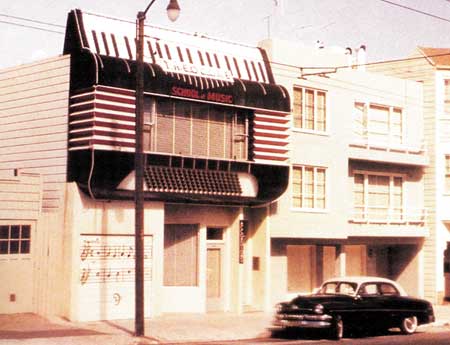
{"type": "Point", "coordinates": [195, 129]}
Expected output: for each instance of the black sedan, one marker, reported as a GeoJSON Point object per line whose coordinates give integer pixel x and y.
{"type": "Point", "coordinates": [354, 303]}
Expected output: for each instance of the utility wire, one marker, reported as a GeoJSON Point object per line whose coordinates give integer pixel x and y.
{"type": "Point", "coordinates": [31, 20]}
{"type": "Point", "coordinates": [417, 11]}
{"type": "Point", "coordinates": [32, 27]}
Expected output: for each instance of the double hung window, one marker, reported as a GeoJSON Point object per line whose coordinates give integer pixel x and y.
{"type": "Point", "coordinates": [309, 187]}
{"type": "Point", "coordinates": [377, 197]}
{"type": "Point", "coordinates": [378, 123]}
{"type": "Point", "coordinates": [310, 107]}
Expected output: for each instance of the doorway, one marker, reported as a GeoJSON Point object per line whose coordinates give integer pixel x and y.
{"type": "Point", "coordinates": [214, 270]}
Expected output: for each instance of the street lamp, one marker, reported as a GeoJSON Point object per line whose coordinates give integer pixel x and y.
{"type": "Point", "coordinates": [173, 10]}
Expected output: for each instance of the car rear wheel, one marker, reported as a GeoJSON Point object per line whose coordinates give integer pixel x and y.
{"type": "Point", "coordinates": [409, 325]}
{"type": "Point", "coordinates": [337, 331]}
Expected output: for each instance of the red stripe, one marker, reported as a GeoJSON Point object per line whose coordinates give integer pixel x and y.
{"type": "Point", "coordinates": [271, 150]}
{"type": "Point", "coordinates": [269, 112]}
{"type": "Point", "coordinates": [272, 128]}
{"type": "Point", "coordinates": [92, 132]}
{"type": "Point", "coordinates": [268, 142]}
{"type": "Point", "coordinates": [272, 135]}
{"type": "Point", "coordinates": [100, 142]}
{"type": "Point", "coordinates": [274, 120]}
{"type": "Point", "coordinates": [102, 115]}
{"type": "Point", "coordinates": [270, 158]}
{"type": "Point", "coordinates": [82, 99]}
{"type": "Point", "coordinates": [114, 107]}
{"type": "Point", "coordinates": [115, 90]}
{"type": "Point", "coordinates": [91, 124]}
{"type": "Point", "coordinates": [113, 98]}
{"type": "Point", "coordinates": [80, 117]}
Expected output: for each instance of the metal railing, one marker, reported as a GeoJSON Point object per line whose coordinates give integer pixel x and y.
{"type": "Point", "coordinates": [385, 215]}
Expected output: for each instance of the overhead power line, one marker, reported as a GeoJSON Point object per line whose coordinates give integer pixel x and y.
{"type": "Point", "coordinates": [416, 10]}
{"type": "Point", "coordinates": [31, 20]}
{"type": "Point", "coordinates": [32, 27]}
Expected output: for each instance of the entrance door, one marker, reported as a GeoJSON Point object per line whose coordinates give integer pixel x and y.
{"type": "Point", "coordinates": [214, 279]}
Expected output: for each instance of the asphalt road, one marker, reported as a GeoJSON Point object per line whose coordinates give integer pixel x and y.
{"type": "Point", "coordinates": [430, 337]}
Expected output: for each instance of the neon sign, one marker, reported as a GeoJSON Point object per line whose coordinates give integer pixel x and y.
{"type": "Point", "coordinates": [202, 95]}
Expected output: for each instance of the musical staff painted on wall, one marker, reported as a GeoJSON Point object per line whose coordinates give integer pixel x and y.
{"type": "Point", "coordinates": [111, 259]}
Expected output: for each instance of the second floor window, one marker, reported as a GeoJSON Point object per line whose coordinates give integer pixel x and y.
{"type": "Point", "coordinates": [378, 197]}
{"type": "Point", "coordinates": [309, 109]}
{"type": "Point", "coordinates": [378, 123]}
{"type": "Point", "coordinates": [309, 187]}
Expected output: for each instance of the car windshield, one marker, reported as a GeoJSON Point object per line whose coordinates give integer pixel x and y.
{"type": "Point", "coordinates": [334, 288]}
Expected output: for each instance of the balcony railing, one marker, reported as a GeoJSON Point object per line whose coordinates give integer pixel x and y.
{"type": "Point", "coordinates": [386, 144]}
{"type": "Point", "coordinates": [385, 215]}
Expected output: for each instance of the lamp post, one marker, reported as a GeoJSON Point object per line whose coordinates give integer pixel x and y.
{"type": "Point", "coordinates": [173, 11]}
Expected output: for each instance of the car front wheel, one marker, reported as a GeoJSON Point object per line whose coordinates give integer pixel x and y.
{"type": "Point", "coordinates": [337, 331]}
{"type": "Point", "coordinates": [409, 325]}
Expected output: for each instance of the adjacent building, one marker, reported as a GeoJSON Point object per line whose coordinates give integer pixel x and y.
{"type": "Point", "coordinates": [431, 67]}
{"type": "Point", "coordinates": [355, 202]}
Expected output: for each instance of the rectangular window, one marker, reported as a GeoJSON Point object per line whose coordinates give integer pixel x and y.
{"type": "Point", "coordinates": [195, 129]}
{"type": "Point", "coordinates": [310, 109]}
{"type": "Point", "coordinates": [377, 197]}
{"type": "Point", "coordinates": [15, 239]}
{"type": "Point", "coordinates": [309, 187]}
{"type": "Point", "coordinates": [180, 255]}
{"type": "Point", "coordinates": [378, 123]}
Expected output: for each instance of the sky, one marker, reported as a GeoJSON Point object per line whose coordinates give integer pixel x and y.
{"type": "Point", "coordinates": [388, 31]}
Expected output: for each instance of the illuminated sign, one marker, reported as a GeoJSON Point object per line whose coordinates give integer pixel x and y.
{"type": "Point", "coordinates": [202, 95]}
{"type": "Point", "coordinates": [198, 71]}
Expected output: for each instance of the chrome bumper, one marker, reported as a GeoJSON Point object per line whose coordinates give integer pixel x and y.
{"type": "Point", "coordinates": [302, 321]}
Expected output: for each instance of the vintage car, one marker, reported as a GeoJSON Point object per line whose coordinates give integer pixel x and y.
{"type": "Point", "coordinates": [368, 303]}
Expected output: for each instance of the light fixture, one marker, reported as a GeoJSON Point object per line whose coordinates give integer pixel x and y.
{"type": "Point", "coordinates": [173, 10]}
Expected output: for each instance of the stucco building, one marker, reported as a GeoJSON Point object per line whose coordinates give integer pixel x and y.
{"type": "Point", "coordinates": [355, 202]}
{"type": "Point", "coordinates": [431, 67]}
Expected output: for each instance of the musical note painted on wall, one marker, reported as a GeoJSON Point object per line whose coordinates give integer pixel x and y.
{"type": "Point", "coordinates": [109, 259]}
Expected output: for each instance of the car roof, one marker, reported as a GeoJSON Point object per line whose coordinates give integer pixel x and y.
{"type": "Point", "coordinates": [366, 279]}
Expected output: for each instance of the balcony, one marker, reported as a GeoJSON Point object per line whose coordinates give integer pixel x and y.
{"type": "Point", "coordinates": [383, 215]}
{"type": "Point", "coordinates": [385, 149]}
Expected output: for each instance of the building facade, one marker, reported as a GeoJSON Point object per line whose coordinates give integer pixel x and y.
{"type": "Point", "coordinates": [215, 137]}
{"type": "Point", "coordinates": [431, 67]}
{"type": "Point", "coordinates": [355, 201]}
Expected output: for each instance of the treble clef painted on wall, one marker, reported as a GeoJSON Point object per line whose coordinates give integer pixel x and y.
{"type": "Point", "coordinates": [86, 251]}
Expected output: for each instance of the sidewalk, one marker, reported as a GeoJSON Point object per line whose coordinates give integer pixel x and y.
{"type": "Point", "coordinates": [31, 329]}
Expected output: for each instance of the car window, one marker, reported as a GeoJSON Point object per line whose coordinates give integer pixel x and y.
{"type": "Point", "coordinates": [369, 289]}
{"type": "Point", "coordinates": [388, 289]}
{"type": "Point", "coordinates": [346, 288]}
{"type": "Point", "coordinates": [338, 288]}
{"type": "Point", "coordinates": [328, 288]}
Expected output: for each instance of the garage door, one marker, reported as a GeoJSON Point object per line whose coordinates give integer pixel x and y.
{"type": "Point", "coordinates": [107, 279]}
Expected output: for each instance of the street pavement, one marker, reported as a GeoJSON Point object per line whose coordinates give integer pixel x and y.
{"type": "Point", "coordinates": [31, 329]}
